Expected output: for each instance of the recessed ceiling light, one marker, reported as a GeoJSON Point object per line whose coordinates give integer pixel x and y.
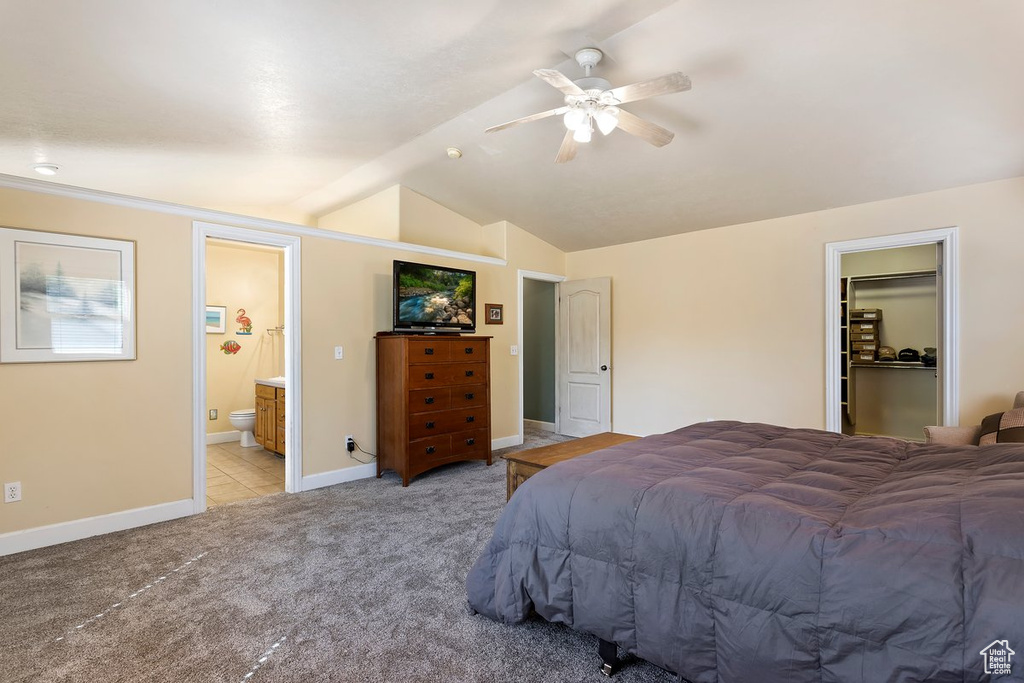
{"type": "Point", "coordinates": [46, 169]}
{"type": "Point", "coordinates": [454, 153]}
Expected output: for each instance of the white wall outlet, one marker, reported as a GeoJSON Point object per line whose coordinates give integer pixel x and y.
{"type": "Point", "coordinates": [12, 492]}
{"type": "Point", "coordinates": [339, 352]}
{"type": "Point", "coordinates": [350, 443]}
{"type": "Point", "coordinates": [213, 413]}
{"type": "Point", "coordinates": [514, 350]}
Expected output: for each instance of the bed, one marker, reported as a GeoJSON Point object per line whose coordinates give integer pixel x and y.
{"type": "Point", "coordinates": [738, 552]}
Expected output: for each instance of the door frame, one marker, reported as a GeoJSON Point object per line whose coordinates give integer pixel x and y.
{"type": "Point", "coordinates": [949, 239]}
{"type": "Point", "coordinates": [292, 350]}
{"type": "Point", "coordinates": [543, 277]}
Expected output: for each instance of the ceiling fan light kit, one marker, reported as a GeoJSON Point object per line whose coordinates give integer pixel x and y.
{"type": "Point", "coordinates": [591, 100]}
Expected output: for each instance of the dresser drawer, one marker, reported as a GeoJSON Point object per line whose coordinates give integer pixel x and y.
{"type": "Point", "coordinates": [429, 376]}
{"type": "Point", "coordinates": [473, 441]}
{"type": "Point", "coordinates": [263, 391]}
{"type": "Point", "coordinates": [429, 400]}
{"type": "Point", "coordinates": [422, 425]}
{"type": "Point", "coordinates": [466, 418]}
{"type": "Point", "coordinates": [465, 397]}
{"type": "Point", "coordinates": [467, 373]}
{"type": "Point", "coordinates": [469, 350]}
{"type": "Point", "coordinates": [433, 448]}
{"type": "Point", "coordinates": [429, 350]}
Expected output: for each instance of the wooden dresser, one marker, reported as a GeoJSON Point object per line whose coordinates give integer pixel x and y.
{"type": "Point", "coordinates": [433, 401]}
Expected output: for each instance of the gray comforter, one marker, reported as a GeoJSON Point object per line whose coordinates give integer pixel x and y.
{"type": "Point", "coordinates": [747, 553]}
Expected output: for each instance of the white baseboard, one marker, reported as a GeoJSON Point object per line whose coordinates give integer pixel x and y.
{"type": "Point", "coordinates": [223, 437]}
{"type": "Point", "coordinates": [42, 536]}
{"type": "Point", "coordinates": [506, 441]}
{"type": "Point", "coordinates": [317, 481]}
{"type": "Point", "coordinates": [537, 424]}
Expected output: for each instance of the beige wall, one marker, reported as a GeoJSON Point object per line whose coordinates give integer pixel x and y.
{"type": "Point", "coordinates": [284, 214]}
{"type": "Point", "coordinates": [424, 221]}
{"type": "Point", "coordinates": [241, 276]}
{"type": "Point", "coordinates": [354, 302]}
{"type": "Point", "coordinates": [91, 438]}
{"type": "Point", "coordinates": [729, 323]}
{"type": "Point", "coordinates": [95, 438]}
{"type": "Point", "coordinates": [375, 216]}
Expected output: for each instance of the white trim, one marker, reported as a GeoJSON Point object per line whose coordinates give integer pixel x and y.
{"type": "Point", "coordinates": [544, 277]}
{"type": "Point", "coordinates": [949, 239]}
{"type": "Point", "coordinates": [506, 441]}
{"type": "Point", "coordinates": [538, 424]}
{"type": "Point", "coordinates": [199, 214]}
{"type": "Point", "coordinates": [42, 536]}
{"type": "Point", "coordinates": [223, 437]}
{"type": "Point", "coordinates": [318, 481]}
{"type": "Point", "coordinates": [292, 349]}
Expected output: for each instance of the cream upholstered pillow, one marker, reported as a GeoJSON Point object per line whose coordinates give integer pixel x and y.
{"type": "Point", "coordinates": [1005, 427]}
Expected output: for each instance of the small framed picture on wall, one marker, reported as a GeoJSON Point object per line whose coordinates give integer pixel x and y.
{"type": "Point", "coordinates": [494, 314]}
{"type": "Point", "coordinates": [216, 317]}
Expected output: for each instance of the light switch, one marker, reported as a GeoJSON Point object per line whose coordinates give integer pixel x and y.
{"type": "Point", "coordinates": [514, 350]}
{"type": "Point", "coordinates": [339, 352]}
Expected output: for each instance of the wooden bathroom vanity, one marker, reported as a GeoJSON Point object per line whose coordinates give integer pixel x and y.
{"type": "Point", "coordinates": [270, 423]}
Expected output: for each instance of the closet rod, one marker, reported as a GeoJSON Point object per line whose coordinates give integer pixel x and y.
{"type": "Point", "coordinates": [893, 276]}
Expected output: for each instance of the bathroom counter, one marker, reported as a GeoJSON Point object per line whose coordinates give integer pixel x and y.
{"type": "Point", "coordinates": [278, 382]}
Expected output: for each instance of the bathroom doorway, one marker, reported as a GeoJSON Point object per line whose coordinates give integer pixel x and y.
{"type": "Point", "coordinates": [245, 381]}
{"type": "Point", "coordinates": [537, 348]}
{"type": "Point", "coordinates": [246, 389]}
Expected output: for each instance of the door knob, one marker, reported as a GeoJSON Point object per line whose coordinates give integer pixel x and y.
{"type": "Point", "coordinates": [604, 368]}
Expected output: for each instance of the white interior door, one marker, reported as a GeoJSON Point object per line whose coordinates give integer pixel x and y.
{"type": "Point", "coordinates": [940, 335]}
{"type": "Point", "coordinates": [584, 356]}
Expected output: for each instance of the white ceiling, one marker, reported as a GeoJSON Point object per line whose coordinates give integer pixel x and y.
{"type": "Point", "coordinates": [797, 105]}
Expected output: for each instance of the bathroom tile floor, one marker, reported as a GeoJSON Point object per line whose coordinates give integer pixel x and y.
{"type": "Point", "coordinates": [236, 473]}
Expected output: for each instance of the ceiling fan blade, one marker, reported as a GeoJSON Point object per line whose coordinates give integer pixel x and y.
{"type": "Point", "coordinates": [644, 129]}
{"type": "Point", "coordinates": [559, 80]}
{"type": "Point", "coordinates": [567, 152]}
{"type": "Point", "coordinates": [527, 119]}
{"type": "Point", "coordinates": [669, 83]}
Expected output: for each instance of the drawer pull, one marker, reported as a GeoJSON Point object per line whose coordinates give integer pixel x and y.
{"type": "Point", "coordinates": [430, 449]}
{"type": "Point", "coordinates": [470, 442]}
{"type": "Point", "coordinates": [428, 375]}
{"type": "Point", "coordinates": [428, 351]}
{"type": "Point", "coordinates": [469, 397]}
{"type": "Point", "coordinates": [428, 400]}
{"type": "Point", "coordinates": [469, 349]}
{"type": "Point", "coordinates": [470, 418]}
{"type": "Point", "coordinates": [469, 373]}
{"type": "Point", "coordinates": [430, 425]}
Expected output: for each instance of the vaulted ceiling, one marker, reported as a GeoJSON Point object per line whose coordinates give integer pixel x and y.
{"type": "Point", "coordinates": [796, 106]}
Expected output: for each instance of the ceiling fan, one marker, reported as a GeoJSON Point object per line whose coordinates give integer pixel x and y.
{"type": "Point", "coordinates": [591, 101]}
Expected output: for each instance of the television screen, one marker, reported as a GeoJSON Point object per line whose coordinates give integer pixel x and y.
{"type": "Point", "coordinates": [434, 298]}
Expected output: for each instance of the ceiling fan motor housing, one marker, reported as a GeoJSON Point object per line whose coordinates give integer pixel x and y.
{"type": "Point", "coordinates": [592, 83]}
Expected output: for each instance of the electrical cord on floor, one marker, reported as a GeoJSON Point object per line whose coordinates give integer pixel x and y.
{"type": "Point", "coordinates": [372, 455]}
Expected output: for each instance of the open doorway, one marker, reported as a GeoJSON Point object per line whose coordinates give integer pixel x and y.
{"type": "Point", "coordinates": [537, 347]}
{"type": "Point", "coordinates": [892, 334]}
{"type": "Point", "coordinates": [246, 435]}
{"type": "Point", "coordinates": [247, 379]}
{"type": "Point", "coordinates": [538, 351]}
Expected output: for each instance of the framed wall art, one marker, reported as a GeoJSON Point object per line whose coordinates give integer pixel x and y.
{"type": "Point", "coordinates": [65, 297]}
{"type": "Point", "coordinates": [216, 317]}
{"type": "Point", "coordinates": [494, 314]}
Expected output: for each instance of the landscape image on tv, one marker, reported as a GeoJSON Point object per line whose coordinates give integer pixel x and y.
{"type": "Point", "coordinates": [431, 296]}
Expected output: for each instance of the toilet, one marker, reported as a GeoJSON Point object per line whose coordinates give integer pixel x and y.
{"type": "Point", "coordinates": [245, 421]}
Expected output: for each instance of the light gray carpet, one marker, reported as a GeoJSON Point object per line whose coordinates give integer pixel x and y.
{"type": "Point", "coordinates": [357, 582]}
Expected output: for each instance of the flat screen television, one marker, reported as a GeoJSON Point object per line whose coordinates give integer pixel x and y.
{"type": "Point", "coordinates": [434, 299]}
